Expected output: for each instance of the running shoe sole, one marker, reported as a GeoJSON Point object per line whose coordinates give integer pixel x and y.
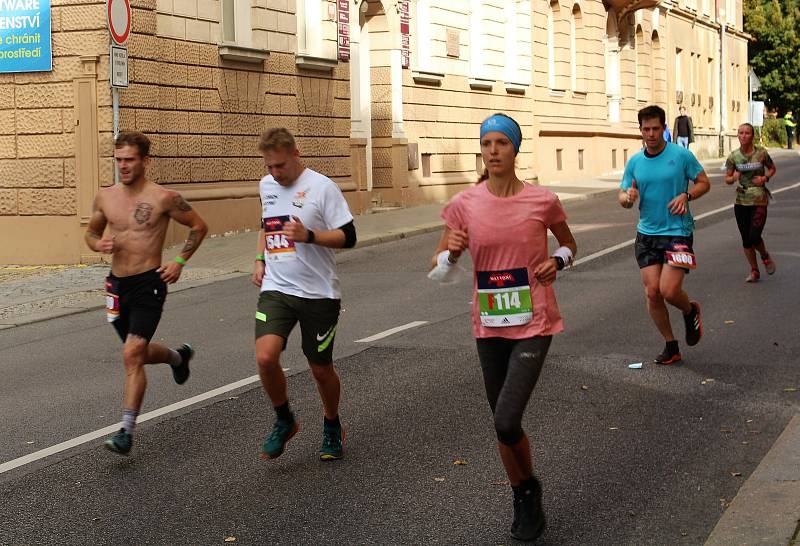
{"type": "Point", "coordinates": [769, 265]}
{"type": "Point", "coordinates": [671, 360]}
{"type": "Point", "coordinates": [331, 456]}
{"type": "Point", "coordinates": [691, 341]}
{"type": "Point", "coordinates": [267, 457]}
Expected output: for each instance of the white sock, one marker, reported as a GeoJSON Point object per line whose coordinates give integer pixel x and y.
{"type": "Point", "coordinates": [129, 419]}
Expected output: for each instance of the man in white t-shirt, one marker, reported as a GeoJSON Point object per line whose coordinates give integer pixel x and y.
{"type": "Point", "coordinates": [304, 217]}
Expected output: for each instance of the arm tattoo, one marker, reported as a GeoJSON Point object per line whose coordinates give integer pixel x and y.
{"type": "Point", "coordinates": [142, 212]}
{"type": "Point", "coordinates": [93, 234]}
{"type": "Point", "coordinates": [191, 242]}
{"type": "Point", "coordinates": [181, 204]}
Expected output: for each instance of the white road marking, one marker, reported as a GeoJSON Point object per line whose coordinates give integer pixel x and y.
{"type": "Point", "coordinates": [88, 437]}
{"type": "Point", "coordinates": [391, 331]}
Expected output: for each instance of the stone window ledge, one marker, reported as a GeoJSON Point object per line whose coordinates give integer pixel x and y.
{"type": "Point", "coordinates": [430, 78]}
{"type": "Point", "coordinates": [319, 64]}
{"type": "Point", "coordinates": [233, 52]}
{"type": "Point", "coordinates": [516, 88]}
{"type": "Point", "coordinates": [557, 92]}
{"type": "Point", "coordinates": [481, 84]}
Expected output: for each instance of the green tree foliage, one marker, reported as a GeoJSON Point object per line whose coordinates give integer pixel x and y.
{"type": "Point", "coordinates": [775, 54]}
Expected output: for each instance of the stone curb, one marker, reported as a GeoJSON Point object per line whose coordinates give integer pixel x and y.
{"type": "Point", "coordinates": [766, 510]}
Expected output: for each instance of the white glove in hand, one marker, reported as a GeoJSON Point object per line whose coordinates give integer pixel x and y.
{"type": "Point", "coordinates": [445, 272]}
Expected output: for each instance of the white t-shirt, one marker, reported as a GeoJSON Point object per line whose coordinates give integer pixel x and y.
{"type": "Point", "coordinates": [304, 270]}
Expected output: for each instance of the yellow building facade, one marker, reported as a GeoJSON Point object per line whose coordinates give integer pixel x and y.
{"type": "Point", "coordinates": [384, 96]}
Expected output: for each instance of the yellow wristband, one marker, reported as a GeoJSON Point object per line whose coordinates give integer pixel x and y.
{"type": "Point", "coordinates": [180, 260]}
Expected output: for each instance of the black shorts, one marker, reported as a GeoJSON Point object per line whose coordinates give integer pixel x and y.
{"type": "Point", "coordinates": [652, 249]}
{"type": "Point", "coordinates": [139, 300]}
{"type": "Point", "coordinates": [278, 313]}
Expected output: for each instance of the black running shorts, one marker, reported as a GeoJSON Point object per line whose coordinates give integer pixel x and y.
{"type": "Point", "coordinates": [140, 299]}
{"type": "Point", "coordinates": [652, 249]}
{"type": "Point", "coordinates": [278, 313]}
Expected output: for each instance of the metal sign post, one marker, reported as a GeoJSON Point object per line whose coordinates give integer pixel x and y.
{"type": "Point", "coordinates": [118, 14]}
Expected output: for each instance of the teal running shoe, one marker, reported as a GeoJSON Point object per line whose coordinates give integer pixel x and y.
{"type": "Point", "coordinates": [120, 443]}
{"type": "Point", "coordinates": [332, 443]}
{"type": "Point", "coordinates": [275, 443]}
{"type": "Point", "coordinates": [180, 373]}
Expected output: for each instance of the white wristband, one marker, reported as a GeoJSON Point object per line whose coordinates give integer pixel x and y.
{"type": "Point", "coordinates": [565, 254]}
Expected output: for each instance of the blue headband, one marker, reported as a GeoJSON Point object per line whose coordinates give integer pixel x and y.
{"type": "Point", "coordinates": [505, 125]}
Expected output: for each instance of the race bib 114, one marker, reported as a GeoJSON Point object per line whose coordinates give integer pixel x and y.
{"type": "Point", "coordinates": [504, 298]}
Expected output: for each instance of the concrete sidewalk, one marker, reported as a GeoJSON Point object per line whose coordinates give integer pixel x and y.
{"type": "Point", "coordinates": [33, 294]}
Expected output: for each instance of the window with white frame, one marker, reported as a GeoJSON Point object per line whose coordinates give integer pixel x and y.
{"type": "Point", "coordinates": [512, 60]}
{"type": "Point", "coordinates": [476, 39]}
{"type": "Point", "coordinates": [424, 36]}
{"type": "Point", "coordinates": [235, 19]}
{"type": "Point", "coordinates": [309, 30]}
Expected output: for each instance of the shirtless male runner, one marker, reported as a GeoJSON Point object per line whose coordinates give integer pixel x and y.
{"type": "Point", "coordinates": [137, 214]}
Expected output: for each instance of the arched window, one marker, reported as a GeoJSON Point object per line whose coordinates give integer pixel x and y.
{"type": "Point", "coordinates": [552, 17]}
{"type": "Point", "coordinates": [659, 71]}
{"type": "Point", "coordinates": [577, 55]}
{"type": "Point", "coordinates": [643, 71]}
{"type": "Point", "coordinates": [612, 67]}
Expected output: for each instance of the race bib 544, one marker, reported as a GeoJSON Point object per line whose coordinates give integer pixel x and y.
{"type": "Point", "coordinates": [279, 248]}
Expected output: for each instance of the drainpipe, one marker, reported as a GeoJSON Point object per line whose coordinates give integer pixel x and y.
{"type": "Point", "coordinates": [723, 100]}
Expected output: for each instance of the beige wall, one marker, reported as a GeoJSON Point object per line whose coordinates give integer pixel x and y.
{"type": "Point", "coordinates": [204, 100]}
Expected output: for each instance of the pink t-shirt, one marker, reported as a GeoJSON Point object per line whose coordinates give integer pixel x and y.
{"type": "Point", "coordinates": [508, 234]}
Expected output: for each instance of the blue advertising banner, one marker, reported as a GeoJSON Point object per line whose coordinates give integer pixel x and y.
{"type": "Point", "coordinates": [25, 44]}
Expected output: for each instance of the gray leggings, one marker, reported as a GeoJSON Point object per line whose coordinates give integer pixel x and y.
{"type": "Point", "coordinates": [511, 368]}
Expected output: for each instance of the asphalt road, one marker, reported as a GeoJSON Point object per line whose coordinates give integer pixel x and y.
{"type": "Point", "coordinates": [627, 457]}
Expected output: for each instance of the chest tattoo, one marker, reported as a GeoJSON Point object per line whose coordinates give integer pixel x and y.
{"type": "Point", "coordinates": [143, 212]}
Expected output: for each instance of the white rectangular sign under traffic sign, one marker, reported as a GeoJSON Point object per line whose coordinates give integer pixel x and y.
{"type": "Point", "coordinates": [118, 66]}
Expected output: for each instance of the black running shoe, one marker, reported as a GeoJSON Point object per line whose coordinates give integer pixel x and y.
{"type": "Point", "coordinates": [180, 373]}
{"type": "Point", "coordinates": [531, 521]}
{"type": "Point", "coordinates": [668, 356]}
{"type": "Point", "coordinates": [694, 325]}
{"type": "Point", "coordinates": [120, 443]}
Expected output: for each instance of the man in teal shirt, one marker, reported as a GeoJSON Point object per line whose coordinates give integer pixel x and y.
{"type": "Point", "coordinates": [658, 177]}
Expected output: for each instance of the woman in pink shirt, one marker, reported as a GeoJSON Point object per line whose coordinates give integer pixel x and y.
{"type": "Point", "coordinates": [503, 222]}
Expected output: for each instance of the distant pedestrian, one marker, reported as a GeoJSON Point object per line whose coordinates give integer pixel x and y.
{"type": "Point", "coordinates": [137, 213]}
{"type": "Point", "coordinates": [503, 222]}
{"type": "Point", "coordinates": [667, 134]}
{"type": "Point", "coordinates": [683, 129]}
{"type": "Point", "coordinates": [660, 176]}
{"type": "Point", "coordinates": [788, 121]}
{"type": "Point", "coordinates": [752, 167]}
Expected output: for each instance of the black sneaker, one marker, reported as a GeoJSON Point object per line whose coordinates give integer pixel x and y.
{"type": "Point", "coordinates": [120, 443]}
{"type": "Point", "coordinates": [531, 521]}
{"type": "Point", "coordinates": [668, 356]}
{"type": "Point", "coordinates": [180, 373]}
{"type": "Point", "coordinates": [694, 325]}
